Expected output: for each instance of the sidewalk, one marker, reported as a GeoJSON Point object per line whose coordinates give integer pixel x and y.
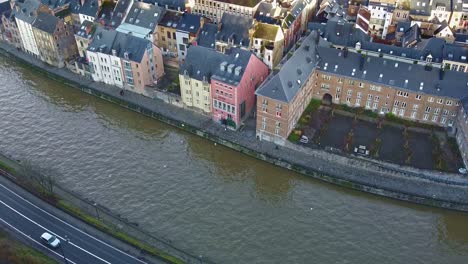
{"type": "Point", "coordinates": [390, 180]}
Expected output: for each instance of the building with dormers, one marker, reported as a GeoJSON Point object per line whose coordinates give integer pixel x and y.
{"type": "Point", "coordinates": [382, 84]}
{"type": "Point", "coordinates": [223, 88]}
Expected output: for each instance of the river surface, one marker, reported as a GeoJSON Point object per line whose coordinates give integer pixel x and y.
{"type": "Point", "coordinates": [207, 199]}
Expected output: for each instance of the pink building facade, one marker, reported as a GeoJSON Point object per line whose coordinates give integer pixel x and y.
{"type": "Point", "coordinates": [233, 88]}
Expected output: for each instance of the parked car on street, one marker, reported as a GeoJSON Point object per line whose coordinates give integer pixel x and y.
{"type": "Point", "coordinates": [50, 240]}
{"type": "Point", "coordinates": [463, 171]}
{"type": "Point", "coordinates": [304, 139]}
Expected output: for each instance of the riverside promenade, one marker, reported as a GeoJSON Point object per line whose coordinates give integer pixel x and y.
{"type": "Point", "coordinates": [385, 179]}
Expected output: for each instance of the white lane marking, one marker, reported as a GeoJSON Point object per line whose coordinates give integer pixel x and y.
{"type": "Point", "coordinates": [30, 220]}
{"type": "Point", "coordinates": [40, 244]}
{"type": "Point", "coordinates": [79, 230]}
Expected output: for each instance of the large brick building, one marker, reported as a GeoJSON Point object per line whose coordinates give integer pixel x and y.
{"type": "Point", "coordinates": [462, 130]}
{"type": "Point", "coordinates": [411, 91]}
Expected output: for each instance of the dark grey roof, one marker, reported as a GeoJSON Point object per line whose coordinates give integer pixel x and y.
{"type": "Point", "coordinates": [144, 15]}
{"type": "Point", "coordinates": [89, 8]}
{"type": "Point", "coordinates": [406, 76]}
{"type": "Point", "coordinates": [53, 4]}
{"type": "Point", "coordinates": [464, 103]}
{"type": "Point", "coordinates": [461, 38]}
{"type": "Point", "coordinates": [87, 29]}
{"type": "Point", "coordinates": [196, 66]}
{"type": "Point", "coordinates": [284, 85]}
{"type": "Point", "coordinates": [339, 32]}
{"type": "Point", "coordinates": [442, 26]}
{"type": "Point", "coordinates": [4, 7]}
{"type": "Point", "coordinates": [189, 23]}
{"type": "Point", "coordinates": [45, 22]}
{"type": "Point", "coordinates": [170, 19]}
{"type": "Point", "coordinates": [420, 10]}
{"type": "Point", "coordinates": [112, 16]}
{"type": "Point", "coordinates": [207, 36]}
{"type": "Point", "coordinates": [27, 10]}
{"type": "Point", "coordinates": [108, 40]}
{"type": "Point", "coordinates": [403, 26]}
{"type": "Point", "coordinates": [411, 35]}
{"type": "Point", "coordinates": [175, 5]}
{"type": "Point", "coordinates": [234, 58]}
{"type": "Point", "coordinates": [235, 28]}
{"type": "Point", "coordinates": [267, 13]}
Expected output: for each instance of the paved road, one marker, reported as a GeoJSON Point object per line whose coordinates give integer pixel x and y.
{"type": "Point", "coordinates": [31, 221]}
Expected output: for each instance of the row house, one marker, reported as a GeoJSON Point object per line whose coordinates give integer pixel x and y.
{"type": "Point", "coordinates": [83, 37]}
{"type": "Point", "coordinates": [177, 32]}
{"type": "Point", "coordinates": [381, 18]}
{"type": "Point", "coordinates": [142, 21]}
{"type": "Point", "coordinates": [54, 39]}
{"type": "Point", "coordinates": [84, 10]}
{"type": "Point", "coordinates": [112, 14]}
{"type": "Point", "coordinates": [5, 8]}
{"type": "Point", "coordinates": [267, 43]}
{"type": "Point", "coordinates": [180, 6]}
{"type": "Point", "coordinates": [25, 13]}
{"type": "Point", "coordinates": [225, 87]}
{"type": "Point", "coordinates": [462, 130]}
{"type": "Point", "coordinates": [215, 9]}
{"type": "Point", "coordinates": [410, 91]}
{"type": "Point", "coordinates": [124, 60]}
{"type": "Point", "coordinates": [295, 23]}
{"type": "Point", "coordinates": [10, 29]}
{"type": "Point", "coordinates": [167, 38]}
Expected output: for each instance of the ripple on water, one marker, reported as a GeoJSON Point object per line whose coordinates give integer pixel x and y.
{"type": "Point", "coordinates": [206, 199]}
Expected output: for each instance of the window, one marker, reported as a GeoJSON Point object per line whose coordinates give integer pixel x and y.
{"type": "Point", "coordinates": [446, 112]}
{"type": "Point", "coordinates": [449, 102]}
{"type": "Point", "coordinates": [425, 117]}
{"type": "Point", "coordinates": [396, 103]}
{"type": "Point", "coordinates": [326, 77]}
{"type": "Point", "coordinates": [351, 82]}
{"type": "Point", "coordinates": [358, 102]}
{"type": "Point", "coordinates": [402, 112]}
{"type": "Point", "coordinates": [415, 107]}
{"type": "Point", "coordinates": [440, 101]}
{"type": "Point", "coordinates": [264, 123]}
{"type": "Point", "coordinates": [325, 86]}
{"type": "Point", "coordinates": [401, 93]}
{"type": "Point", "coordinates": [443, 120]}
{"type": "Point", "coordinates": [418, 97]}
{"type": "Point", "coordinates": [413, 115]}
{"type": "Point", "coordinates": [434, 118]}
{"type": "Point", "coordinates": [376, 98]}
{"type": "Point", "coordinates": [369, 97]}
{"type": "Point", "coordinates": [340, 80]}
{"type": "Point", "coordinates": [361, 84]}
{"type": "Point", "coordinates": [428, 109]}
{"type": "Point", "coordinates": [277, 127]}
{"type": "Point", "coordinates": [430, 99]}
{"type": "Point", "coordinates": [359, 95]}
{"type": "Point", "coordinates": [350, 92]}
{"type": "Point", "coordinates": [403, 104]}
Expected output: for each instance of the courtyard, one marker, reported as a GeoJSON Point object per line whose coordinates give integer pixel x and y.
{"type": "Point", "coordinates": [422, 147]}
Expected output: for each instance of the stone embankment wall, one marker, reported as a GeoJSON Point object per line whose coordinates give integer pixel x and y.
{"type": "Point", "coordinates": [389, 180]}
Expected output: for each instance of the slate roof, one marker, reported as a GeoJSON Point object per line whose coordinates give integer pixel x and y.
{"type": "Point", "coordinates": [53, 4]}
{"type": "Point", "coordinates": [189, 23]}
{"type": "Point", "coordinates": [26, 11]}
{"type": "Point", "coordinates": [443, 26]}
{"type": "Point", "coordinates": [406, 76]}
{"type": "Point", "coordinates": [461, 38]}
{"type": "Point", "coordinates": [207, 36]}
{"type": "Point", "coordinates": [420, 10]}
{"type": "Point", "coordinates": [4, 7]}
{"type": "Point", "coordinates": [464, 103]}
{"type": "Point", "coordinates": [89, 8]}
{"type": "Point", "coordinates": [411, 35]}
{"type": "Point", "coordinates": [175, 5]}
{"type": "Point", "coordinates": [403, 26]}
{"type": "Point", "coordinates": [170, 19]}
{"type": "Point", "coordinates": [108, 40]}
{"type": "Point", "coordinates": [87, 29]}
{"type": "Point", "coordinates": [196, 67]}
{"type": "Point", "coordinates": [267, 13]}
{"type": "Point", "coordinates": [339, 32]}
{"type": "Point", "coordinates": [144, 15]}
{"type": "Point", "coordinates": [284, 85]}
{"type": "Point", "coordinates": [45, 22]}
{"type": "Point", "coordinates": [235, 27]}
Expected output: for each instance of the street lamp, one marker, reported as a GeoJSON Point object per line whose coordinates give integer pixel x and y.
{"type": "Point", "coordinates": [66, 240]}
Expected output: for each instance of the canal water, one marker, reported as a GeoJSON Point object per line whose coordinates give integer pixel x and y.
{"type": "Point", "coordinates": [207, 199]}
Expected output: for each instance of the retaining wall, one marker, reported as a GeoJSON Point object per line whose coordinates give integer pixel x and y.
{"type": "Point", "coordinates": [389, 180]}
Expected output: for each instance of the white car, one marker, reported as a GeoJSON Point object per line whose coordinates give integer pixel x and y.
{"type": "Point", "coordinates": [50, 240]}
